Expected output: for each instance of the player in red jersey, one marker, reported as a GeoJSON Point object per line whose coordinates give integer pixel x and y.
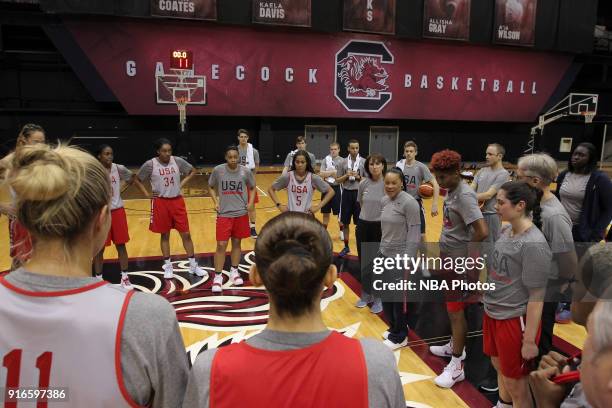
{"type": "Point", "coordinates": [296, 359]}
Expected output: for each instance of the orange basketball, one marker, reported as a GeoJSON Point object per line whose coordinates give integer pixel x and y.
{"type": "Point", "coordinates": [426, 190]}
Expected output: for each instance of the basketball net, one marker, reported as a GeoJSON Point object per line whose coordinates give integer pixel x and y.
{"type": "Point", "coordinates": [181, 104]}
{"type": "Point", "coordinates": [588, 116]}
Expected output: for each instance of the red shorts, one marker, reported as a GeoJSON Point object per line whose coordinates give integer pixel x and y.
{"type": "Point", "coordinates": [504, 339]}
{"type": "Point", "coordinates": [256, 195]}
{"type": "Point", "coordinates": [237, 227]}
{"type": "Point", "coordinates": [168, 213]}
{"type": "Point", "coordinates": [119, 229]}
{"type": "Point", "coordinates": [20, 241]}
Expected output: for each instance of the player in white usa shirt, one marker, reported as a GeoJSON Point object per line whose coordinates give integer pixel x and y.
{"type": "Point", "coordinates": [118, 233]}
{"type": "Point", "coordinates": [168, 210]}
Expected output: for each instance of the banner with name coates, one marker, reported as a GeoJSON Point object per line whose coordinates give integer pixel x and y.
{"type": "Point", "coordinates": [515, 22]}
{"type": "Point", "coordinates": [254, 72]}
{"type": "Point", "coordinates": [190, 9]}
{"type": "Point", "coordinates": [448, 19]}
{"type": "Point", "coordinates": [282, 12]}
{"type": "Point", "coordinates": [372, 16]}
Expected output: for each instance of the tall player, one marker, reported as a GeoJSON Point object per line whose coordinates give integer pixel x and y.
{"type": "Point", "coordinates": [463, 223]}
{"type": "Point", "coordinates": [168, 209]}
{"type": "Point", "coordinates": [329, 170]}
{"type": "Point", "coordinates": [249, 157]}
{"type": "Point", "coordinates": [63, 328]}
{"type": "Point", "coordinates": [350, 174]}
{"type": "Point", "coordinates": [230, 184]}
{"type": "Point", "coordinates": [20, 242]}
{"type": "Point", "coordinates": [118, 232]}
{"type": "Point", "coordinates": [300, 144]}
{"type": "Point", "coordinates": [415, 174]}
{"type": "Point", "coordinates": [486, 183]}
{"type": "Point", "coordinates": [300, 183]}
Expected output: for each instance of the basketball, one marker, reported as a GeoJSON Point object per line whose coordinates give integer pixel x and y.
{"type": "Point", "coordinates": [426, 190]}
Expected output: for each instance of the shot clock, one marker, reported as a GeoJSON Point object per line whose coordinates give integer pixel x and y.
{"type": "Point", "coordinates": [181, 59]}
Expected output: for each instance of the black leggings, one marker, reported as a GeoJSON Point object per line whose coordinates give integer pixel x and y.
{"type": "Point", "coordinates": [367, 231]}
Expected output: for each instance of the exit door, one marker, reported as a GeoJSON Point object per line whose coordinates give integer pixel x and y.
{"type": "Point", "coordinates": [318, 139]}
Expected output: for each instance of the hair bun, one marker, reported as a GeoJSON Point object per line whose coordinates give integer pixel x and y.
{"type": "Point", "coordinates": [38, 173]}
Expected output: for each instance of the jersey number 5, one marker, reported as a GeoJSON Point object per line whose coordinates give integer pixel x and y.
{"type": "Point", "coordinates": [12, 362]}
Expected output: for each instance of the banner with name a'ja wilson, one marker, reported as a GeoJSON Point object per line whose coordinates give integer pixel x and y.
{"type": "Point", "coordinates": [515, 22]}
{"type": "Point", "coordinates": [447, 19]}
{"type": "Point", "coordinates": [282, 12]}
{"type": "Point", "coordinates": [189, 9]}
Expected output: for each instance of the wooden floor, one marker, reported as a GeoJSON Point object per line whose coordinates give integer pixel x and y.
{"type": "Point", "coordinates": [338, 314]}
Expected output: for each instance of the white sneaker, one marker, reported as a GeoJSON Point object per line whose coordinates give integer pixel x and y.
{"type": "Point", "coordinates": [197, 271]}
{"type": "Point", "coordinates": [452, 374]}
{"type": "Point", "coordinates": [125, 281]}
{"type": "Point", "coordinates": [217, 286]}
{"type": "Point", "coordinates": [445, 350]}
{"type": "Point", "coordinates": [168, 271]}
{"type": "Point", "coordinates": [99, 277]}
{"type": "Point", "coordinates": [385, 334]}
{"type": "Point", "coordinates": [395, 346]}
{"type": "Point", "coordinates": [236, 278]}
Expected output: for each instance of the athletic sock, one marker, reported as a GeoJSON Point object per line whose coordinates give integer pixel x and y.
{"type": "Point", "coordinates": [252, 224]}
{"type": "Point", "coordinates": [168, 261]}
{"type": "Point", "coordinates": [456, 360]}
{"type": "Point", "coordinates": [503, 404]}
{"type": "Point", "coordinates": [192, 262]}
{"type": "Point", "coordinates": [234, 268]}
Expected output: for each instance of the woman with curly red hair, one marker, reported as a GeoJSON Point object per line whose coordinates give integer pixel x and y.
{"type": "Point", "coordinates": [462, 223]}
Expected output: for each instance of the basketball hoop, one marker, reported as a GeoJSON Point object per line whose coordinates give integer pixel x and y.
{"type": "Point", "coordinates": [588, 116]}
{"type": "Point", "coordinates": [181, 104]}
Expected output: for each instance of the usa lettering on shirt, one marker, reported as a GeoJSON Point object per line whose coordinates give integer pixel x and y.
{"type": "Point", "coordinates": [229, 187]}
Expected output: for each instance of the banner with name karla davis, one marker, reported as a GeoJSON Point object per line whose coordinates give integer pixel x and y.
{"type": "Point", "coordinates": [515, 22]}
{"type": "Point", "coordinates": [447, 19]}
{"type": "Point", "coordinates": [282, 12]}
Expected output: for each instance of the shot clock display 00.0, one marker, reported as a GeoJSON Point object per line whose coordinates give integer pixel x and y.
{"type": "Point", "coordinates": [181, 59]}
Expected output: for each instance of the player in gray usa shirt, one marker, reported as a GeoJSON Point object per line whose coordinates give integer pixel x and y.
{"type": "Point", "coordinates": [519, 269]}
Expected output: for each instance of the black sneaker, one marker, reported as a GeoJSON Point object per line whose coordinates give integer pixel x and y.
{"type": "Point", "coordinates": [488, 385]}
{"type": "Point", "coordinates": [253, 233]}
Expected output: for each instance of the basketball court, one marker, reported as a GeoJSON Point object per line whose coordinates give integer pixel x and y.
{"type": "Point", "coordinates": [207, 320]}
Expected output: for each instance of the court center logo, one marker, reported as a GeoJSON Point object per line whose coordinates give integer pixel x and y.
{"type": "Point", "coordinates": [361, 77]}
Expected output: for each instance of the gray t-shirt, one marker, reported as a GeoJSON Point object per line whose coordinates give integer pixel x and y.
{"type": "Point", "coordinates": [153, 358]}
{"type": "Point", "coordinates": [125, 174]}
{"type": "Point", "coordinates": [289, 159]}
{"type": "Point", "coordinates": [400, 222]}
{"type": "Point", "coordinates": [414, 176]}
{"type": "Point", "coordinates": [242, 156]}
{"type": "Point", "coordinates": [487, 178]}
{"type": "Point", "coordinates": [358, 167]}
{"type": "Point", "coordinates": [337, 162]}
{"type": "Point", "coordinates": [460, 210]}
{"type": "Point", "coordinates": [384, 385]}
{"type": "Point", "coordinates": [146, 169]}
{"type": "Point", "coordinates": [518, 263]}
{"type": "Point", "coordinates": [369, 196]}
{"type": "Point", "coordinates": [231, 186]}
{"type": "Point", "coordinates": [572, 192]}
{"type": "Point", "coordinates": [557, 228]}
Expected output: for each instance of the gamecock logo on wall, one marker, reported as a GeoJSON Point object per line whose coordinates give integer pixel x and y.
{"type": "Point", "coordinates": [361, 78]}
